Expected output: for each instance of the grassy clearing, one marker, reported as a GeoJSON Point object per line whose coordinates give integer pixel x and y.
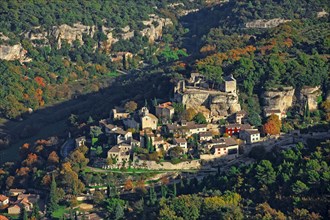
{"type": "Point", "coordinates": [59, 213]}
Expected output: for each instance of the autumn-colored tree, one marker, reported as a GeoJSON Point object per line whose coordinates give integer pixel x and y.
{"type": "Point", "coordinates": [40, 81]}
{"type": "Point", "coordinates": [164, 180]}
{"type": "Point", "coordinates": [128, 184]}
{"type": "Point", "coordinates": [189, 114]}
{"type": "Point", "coordinates": [30, 160]}
{"type": "Point", "coordinates": [53, 158]}
{"type": "Point", "coordinates": [24, 150]}
{"type": "Point", "coordinates": [23, 171]}
{"type": "Point", "coordinates": [273, 125]}
{"type": "Point", "coordinates": [10, 181]}
{"type": "Point", "coordinates": [46, 180]}
{"type": "Point", "coordinates": [140, 186]}
{"type": "Point", "coordinates": [130, 106]}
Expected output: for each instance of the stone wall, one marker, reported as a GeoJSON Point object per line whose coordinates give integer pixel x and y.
{"type": "Point", "coordinates": [194, 164]}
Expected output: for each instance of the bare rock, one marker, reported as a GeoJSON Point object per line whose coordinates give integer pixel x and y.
{"type": "Point", "coordinates": [280, 99]}
{"type": "Point", "coordinates": [263, 23]}
{"type": "Point", "coordinates": [310, 95]}
{"type": "Point", "coordinates": [15, 52]}
{"type": "Point", "coordinates": [155, 25]}
{"type": "Point", "coordinates": [72, 33]}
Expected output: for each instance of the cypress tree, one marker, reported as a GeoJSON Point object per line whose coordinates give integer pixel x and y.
{"type": "Point", "coordinates": [152, 196]}
{"type": "Point", "coordinates": [53, 198]}
{"type": "Point", "coordinates": [174, 190]}
{"type": "Point", "coordinates": [119, 212]}
{"type": "Point", "coordinates": [35, 211]}
{"type": "Point", "coordinates": [25, 214]}
{"type": "Point", "coordinates": [151, 148]}
{"type": "Point", "coordinates": [164, 191]}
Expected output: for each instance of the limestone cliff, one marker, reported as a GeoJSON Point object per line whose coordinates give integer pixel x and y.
{"type": "Point", "coordinates": [219, 103]}
{"type": "Point", "coordinates": [263, 23]}
{"type": "Point", "coordinates": [154, 27]}
{"type": "Point", "coordinates": [71, 33]}
{"type": "Point", "coordinates": [310, 95]}
{"type": "Point", "coordinates": [278, 99]}
{"type": "Point", "coordinates": [15, 52]}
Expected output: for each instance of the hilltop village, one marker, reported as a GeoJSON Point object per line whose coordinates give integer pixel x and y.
{"type": "Point", "coordinates": [201, 127]}
{"type": "Point", "coordinates": [213, 126]}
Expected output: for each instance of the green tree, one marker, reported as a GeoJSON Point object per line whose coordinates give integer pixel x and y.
{"type": "Point", "coordinates": [299, 187]}
{"type": "Point", "coordinates": [52, 204]}
{"type": "Point", "coordinates": [90, 120]}
{"type": "Point", "coordinates": [119, 212]}
{"type": "Point", "coordinates": [35, 211]}
{"type": "Point", "coordinates": [200, 118]}
{"type": "Point", "coordinates": [265, 173]}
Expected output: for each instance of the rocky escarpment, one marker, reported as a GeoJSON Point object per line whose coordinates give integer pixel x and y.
{"type": "Point", "coordinates": [263, 23]}
{"type": "Point", "coordinates": [278, 99]}
{"type": "Point", "coordinates": [219, 103]}
{"type": "Point", "coordinates": [153, 30]}
{"type": "Point", "coordinates": [310, 95]}
{"type": "Point", "coordinates": [155, 25]}
{"type": "Point", "coordinates": [71, 33]}
{"type": "Point", "coordinates": [284, 98]}
{"type": "Point", "coordinates": [14, 52]}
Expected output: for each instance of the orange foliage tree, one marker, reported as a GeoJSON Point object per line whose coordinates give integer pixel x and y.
{"type": "Point", "coordinates": [128, 184]}
{"type": "Point", "coordinates": [273, 125]}
{"type": "Point", "coordinates": [40, 81]}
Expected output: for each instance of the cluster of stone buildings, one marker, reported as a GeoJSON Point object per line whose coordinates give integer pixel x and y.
{"type": "Point", "coordinates": [16, 200]}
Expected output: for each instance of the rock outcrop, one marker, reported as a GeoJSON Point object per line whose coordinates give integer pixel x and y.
{"type": "Point", "coordinates": [72, 33]}
{"type": "Point", "coordinates": [310, 95]}
{"type": "Point", "coordinates": [263, 23]}
{"type": "Point", "coordinates": [278, 99]}
{"type": "Point", "coordinates": [15, 52]}
{"type": "Point", "coordinates": [155, 25]}
{"type": "Point", "coordinates": [220, 104]}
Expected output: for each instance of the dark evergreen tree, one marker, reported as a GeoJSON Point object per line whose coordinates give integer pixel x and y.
{"type": "Point", "coordinates": [35, 211]}
{"type": "Point", "coordinates": [119, 212]}
{"type": "Point", "coordinates": [53, 198]}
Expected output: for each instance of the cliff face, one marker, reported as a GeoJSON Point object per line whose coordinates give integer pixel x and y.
{"type": "Point", "coordinates": [278, 99]}
{"type": "Point", "coordinates": [220, 104]}
{"type": "Point", "coordinates": [286, 97]}
{"type": "Point", "coordinates": [155, 25]}
{"type": "Point", "coordinates": [310, 95]}
{"type": "Point", "coordinates": [40, 37]}
{"type": "Point", "coordinates": [263, 23]}
{"type": "Point", "coordinates": [71, 33]}
{"type": "Point", "coordinates": [15, 52]}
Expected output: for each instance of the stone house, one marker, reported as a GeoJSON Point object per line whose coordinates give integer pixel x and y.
{"type": "Point", "coordinates": [240, 116]}
{"type": "Point", "coordinates": [225, 147]}
{"type": "Point", "coordinates": [181, 142]}
{"type": "Point", "coordinates": [232, 129]}
{"type": "Point", "coordinates": [148, 120]}
{"type": "Point", "coordinates": [269, 112]}
{"type": "Point", "coordinates": [16, 192]}
{"type": "Point", "coordinates": [118, 114]}
{"type": "Point", "coordinates": [14, 210]}
{"type": "Point", "coordinates": [80, 141]}
{"type": "Point", "coordinates": [4, 201]}
{"type": "Point", "coordinates": [185, 128]}
{"type": "Point", "coordinates": [250, 135]}
{"type": "Point", "coordinates": [229, 84]}
{"type": "Point", "coordinates": [120, 152]}
{"type": "Point", "coordinates": [165, 111]}
{"type": "Point", "coordinates": [205, 136]}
